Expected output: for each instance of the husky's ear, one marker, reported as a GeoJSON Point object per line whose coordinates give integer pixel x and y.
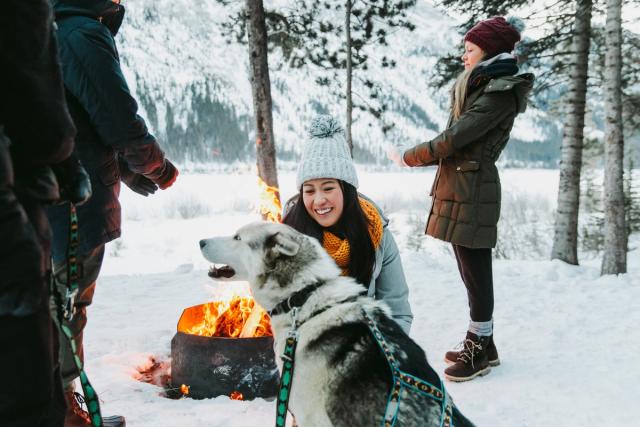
{"type": "Point", "coordinates": [281, 244]}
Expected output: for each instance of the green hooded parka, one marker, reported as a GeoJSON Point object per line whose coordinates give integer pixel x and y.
{"type": "Point", "coordinates": [466, 191]}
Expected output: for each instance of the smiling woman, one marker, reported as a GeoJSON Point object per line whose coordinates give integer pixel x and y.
{"type": "Point", "coordinates": [323, 200]}
{"type": "Point", "coordinates": [346, 222]}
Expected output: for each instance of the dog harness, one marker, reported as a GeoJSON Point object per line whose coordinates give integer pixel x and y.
{"type": "Point", "coordinates": [402, 381]}
{"type": "Point", "coordinates": [406, 383]}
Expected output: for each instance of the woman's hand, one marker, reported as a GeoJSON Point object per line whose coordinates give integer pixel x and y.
{"type": "Point", "coordinates": [395, 155]}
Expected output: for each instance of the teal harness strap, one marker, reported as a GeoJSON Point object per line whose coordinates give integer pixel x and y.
{"type": "Point", "coordinates": [65, 311]}
{"type": "Point", "coordinates": [286, 378]}
{"type": "Point", "coordinates": [401, 379]}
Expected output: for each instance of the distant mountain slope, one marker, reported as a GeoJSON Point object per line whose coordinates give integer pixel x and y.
{"type": "Point", "coordinates": [194, 88]}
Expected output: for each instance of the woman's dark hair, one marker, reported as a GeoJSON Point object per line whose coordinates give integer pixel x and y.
{"type": "Point", "coordinates": [353, 225]}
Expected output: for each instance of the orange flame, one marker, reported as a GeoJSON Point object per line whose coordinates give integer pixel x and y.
{"type": "Point", "coordinates": [235, 318]}
{"type": "Point", "coordinates": [270, 206]}
{"type": "Point", "coordinates": [184, 389]}
{"type": "Point", "coordinates": [236, 395]}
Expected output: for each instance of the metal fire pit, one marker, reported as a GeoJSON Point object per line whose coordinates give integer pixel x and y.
{"type": "Point", "coordinates": [214, 366]}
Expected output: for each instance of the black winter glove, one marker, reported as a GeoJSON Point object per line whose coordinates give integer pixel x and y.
{"type": "Point", "coordinates": [73, 180]}
{"type": "Point", "coordinates": [136, 182]}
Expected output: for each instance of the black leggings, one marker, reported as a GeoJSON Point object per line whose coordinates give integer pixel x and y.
{"type": "Point", "coordinates": [475, 269]}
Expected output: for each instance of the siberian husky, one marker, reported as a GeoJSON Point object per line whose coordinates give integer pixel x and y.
{"type": "Point", "coordinates": [342, 376]}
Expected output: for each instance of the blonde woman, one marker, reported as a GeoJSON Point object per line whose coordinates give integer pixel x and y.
{"type": "Point", "coordinates": [486, 98]}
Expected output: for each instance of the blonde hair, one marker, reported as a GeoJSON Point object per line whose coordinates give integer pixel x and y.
{"type": "Point", "coordinates": [459, 93]}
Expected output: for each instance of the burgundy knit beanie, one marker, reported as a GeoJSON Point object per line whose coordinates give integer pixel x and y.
{"type": "Point", "coordinates": [495, 35]}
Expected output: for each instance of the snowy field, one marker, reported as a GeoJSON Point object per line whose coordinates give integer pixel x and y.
{"type": "Point", "coordinates": [567, 338]}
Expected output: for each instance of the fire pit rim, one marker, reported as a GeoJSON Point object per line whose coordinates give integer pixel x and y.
{"type": "Point", "coordinates": [224, 338]}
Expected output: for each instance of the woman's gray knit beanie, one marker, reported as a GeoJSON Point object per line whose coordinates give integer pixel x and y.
{"type": "Point", "coordinates": [326, 153]}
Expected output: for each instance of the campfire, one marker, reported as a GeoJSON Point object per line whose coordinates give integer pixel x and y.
{"type": "Point", "coordinates": [225, 348]}
{"type": "Point", "coordinates": [270, 207]}
{"type": "Point", "coordinates": [239, 317]}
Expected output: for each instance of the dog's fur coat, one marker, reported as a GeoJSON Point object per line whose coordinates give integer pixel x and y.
{"type": "Point", "coordinates": [341, 376]}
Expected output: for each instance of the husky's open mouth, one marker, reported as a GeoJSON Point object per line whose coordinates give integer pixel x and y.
{"type": "Point", "coordinates": [221, 271]}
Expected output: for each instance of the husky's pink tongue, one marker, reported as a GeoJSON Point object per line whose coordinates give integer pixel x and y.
{"type": "Point", "coordinates": [224, 271]}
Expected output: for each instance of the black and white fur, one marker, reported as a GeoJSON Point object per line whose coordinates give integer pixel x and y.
{"type": "Point", "coordinates": [341, 377]}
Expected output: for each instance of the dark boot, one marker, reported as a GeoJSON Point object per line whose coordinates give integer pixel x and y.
{"type": "Point", "coordinates": [78, 417]}
{"type": "Point", "coordinates": [472, 359]}
{"type": "Point", "coordinates": [75, 416]}
{"type": "Point", "coordinates": [492, 353]}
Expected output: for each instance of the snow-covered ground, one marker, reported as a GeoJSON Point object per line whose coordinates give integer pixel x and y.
{"type": "Point", "coordinates": [567, 338]}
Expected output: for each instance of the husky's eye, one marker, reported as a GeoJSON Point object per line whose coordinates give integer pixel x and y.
{"type": "Point", "coordinates": [236, 237]}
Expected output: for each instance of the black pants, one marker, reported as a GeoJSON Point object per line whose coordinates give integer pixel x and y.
{"type": "Point", "coordinates": [475, 269]}
{"type": "Point", "coordinates": [89, 267]}
{"type": "Point", "coordinates": [31, 390]}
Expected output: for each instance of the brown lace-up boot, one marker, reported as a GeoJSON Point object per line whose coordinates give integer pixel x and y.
{"type": "Point", "coordinates": [492, 353]}
{"type": "Point", "coordinates": [78, 417]}
{"type": "Point", "coordinates": [75, 415]}
{"type": "Point", "coordinates": [472, 359]}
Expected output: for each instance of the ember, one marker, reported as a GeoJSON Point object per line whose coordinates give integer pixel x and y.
{"type": "Point", "coordinates": [184, 389]}
{"type": "Point", "coordinates": [236, 395]}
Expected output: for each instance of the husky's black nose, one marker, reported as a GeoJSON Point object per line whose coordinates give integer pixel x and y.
{"type": "Point", "coordinates": [203, 243]}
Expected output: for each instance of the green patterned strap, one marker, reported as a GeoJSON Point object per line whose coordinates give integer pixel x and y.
{"type": "Point", "coordinates": [90, 396]}
{"type": "Point", "coordinates": [72, 265]}
{"type": "Point", "coordinates": [284, 391]}
{"type": "Point", "coordinates": [447, 412]}
{"type": "Point", "coordinates": [423, 386]}
{"type": "Point", "coordinates": [393, 404]}
{"type": "Point", "coordinates": [288, 362]}
{"type": "Point", "coordinates": [65, 310]}
{"type": "Point", "coordinates": [402, 379]}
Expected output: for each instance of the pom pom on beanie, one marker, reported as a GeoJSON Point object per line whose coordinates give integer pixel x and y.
{"type": "Point", "coordinates": [517, 23]}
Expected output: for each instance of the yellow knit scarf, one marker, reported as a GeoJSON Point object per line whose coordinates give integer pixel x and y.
{"type": "Point", "coordinates": [339, 248]}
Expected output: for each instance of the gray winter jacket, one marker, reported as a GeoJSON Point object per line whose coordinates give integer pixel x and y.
{"type": "Point", "coordinates": [388, 282]}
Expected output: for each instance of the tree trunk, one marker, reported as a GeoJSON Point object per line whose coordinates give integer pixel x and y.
{"type": "Point", "coordinates": [614, 260]}
{"type": "Point", "coordinates": [262, 104]}
{"type": "Point", "coordinates": [349, 76]}
{"type": "Point", "coordinates": [565, 240]}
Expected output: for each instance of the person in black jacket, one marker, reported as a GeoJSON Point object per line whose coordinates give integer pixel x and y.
{"type": "Point", "coordinates": [113, 143]}
{"type": "Point", "coordinates": [36, 137]}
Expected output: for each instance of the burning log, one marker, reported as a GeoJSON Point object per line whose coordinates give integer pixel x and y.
{"type": "Point", "coordinates": [253, 322]}
{"type": "Point", "coordinates": [225, 348]}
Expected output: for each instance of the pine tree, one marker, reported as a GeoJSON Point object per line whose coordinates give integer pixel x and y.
{"type": "Point", "coordinates": [631, 185]}
{"type": "Point", "coordinates": [591, 237]}
{"type": "Point", "coordinates": [262, 103]}
{"type": "Point", "coordinates": [349, 70]}
{"type": "Point", "coordinates": [631, 200]}
{"type": "Point", "coordinates": [565, 240]}
{"type": "Point", "coordinates": [615, 232]}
